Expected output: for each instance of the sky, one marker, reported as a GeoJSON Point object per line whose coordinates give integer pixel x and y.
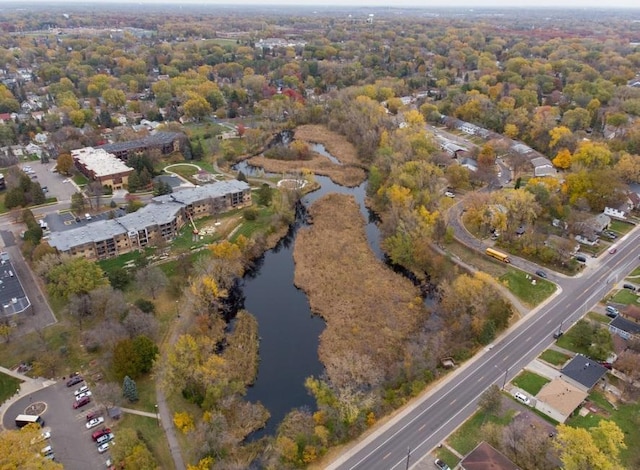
{"type": "Point", "coordinates": [565, 4]}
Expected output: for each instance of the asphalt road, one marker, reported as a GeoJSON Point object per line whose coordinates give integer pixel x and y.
{"type": "Point", "coordinates": [439, 413]}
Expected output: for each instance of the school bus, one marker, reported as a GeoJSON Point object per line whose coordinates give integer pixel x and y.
{"type": "Point", "coordinates": [498, 255]}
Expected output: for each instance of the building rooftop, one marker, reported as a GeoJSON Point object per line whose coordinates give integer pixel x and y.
{"type": "Point", "coordinates": [99, 161]}
{"type": "Point", "coordinates": [626, 325]}
{"type": "Point", "coordinates": [12, 296]}
{"type": "Point", "coordinates": [584, 371]}
{"type": "Point", "coordinates": [485, 457]}
{"type": "Point", "coordinates": [161, 210]}
{"type": "Point", "coordinates": [562, 396]}
{"type": "Point", "coordinates": [158, 138]}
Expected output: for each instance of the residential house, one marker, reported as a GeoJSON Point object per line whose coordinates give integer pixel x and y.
{"type": "Point", "coordinates": [583, 372]}
{"type": "Point", "coordinates": [620, 211]}
{"type": "Point", "coordinates": [624, 328]}
{"type": "Point", "coordinates": [485, 457]}
{"type": "Point", "coordinates": [559, 398]}
{"type": "Point", "coordinates": [542, 167]}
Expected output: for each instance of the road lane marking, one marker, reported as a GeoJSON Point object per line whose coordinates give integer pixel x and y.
{"type": "Point", "coordinates": [386, 456]}
{"type": "Point", "coordinates": [422, 427]}
{"type": "Point", "coordinates": [455, 400]}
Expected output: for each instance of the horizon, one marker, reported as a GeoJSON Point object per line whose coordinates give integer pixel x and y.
{"type": "Point", "coordinates": [412, 4]}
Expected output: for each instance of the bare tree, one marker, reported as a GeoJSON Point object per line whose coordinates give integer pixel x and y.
{"type": "Point", "coordinates": [139, 323]}
{"type": "Point", "coordinates": [151, 280]}
{"type": "Point", "coordinates": [108, 394]}
{"type": "Point", "coordinates": [79, 307]}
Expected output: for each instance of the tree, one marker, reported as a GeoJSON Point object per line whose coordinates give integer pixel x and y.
{"type": "Point", "coordinates": [107, 393]}
{"type": "Point", "coordinates": [132, 452]}
{"type": "Point", "coordinates": [124, 361]}
{"type": "Point", "coordinates": [74, 276]}
{"type": "Point", "coordinates": [64, 164]}
{"type": "Point", "coordinates": [592, 155]}
{"type": "Point", "coordinates": [597, 448]}
{"type": "Point", "coordinates": [491, 400]}
{"type": "Point", "coordinates": [196, 107]}
{"type": "Point", "coordinates": [562, 159]}
{"type": "Point", "coordinates": [151, 280]}
{"type": "Point", "coordinates": [79, 307]}
{"type": "Point", "coordinates": [129, 389]}
{"type": "Point", "coordinates": [16, 450]}
{"type": "Point", "coordinates": [146, 352]}
{"type": "Point", "coordinates": [264, 195]}
{"type": "Point", "coordinates": [77, 203]}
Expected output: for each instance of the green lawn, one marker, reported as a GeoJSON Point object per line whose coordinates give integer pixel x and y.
{"type": "Point", "coordinates": [635, 272]}
{"type": "Point", "coordinates": [567, 341]}
{"type": "Point", "coordinates": [469, 435]}
{"type": "Point", "coordinates": [3, 208]}
{"type": "Point", "coordinates": [447, 457]}
{"type": "Point", "coordinates": [80, 179]}
{"type": "Point", "coordinates": [620, 226]}
{"type": "Point", "coordinates": [522, 287]}
{"type": "Point", "coordinates": [110, 264]}
{"type": "Point", "coordinates": [598, 317]}
{"type": "Point", "coordinates": [625, 296]}
{"type": "Point", "coordinates": [186, 171]}
{"type": "Point", "coordinates": [8, 386]}
{"type": "Point", "coordinates": [530, 382]}
{"type": "Point", "coordinates": [625, 416]}
{"type": "Point", "coordinates": [554, 357]}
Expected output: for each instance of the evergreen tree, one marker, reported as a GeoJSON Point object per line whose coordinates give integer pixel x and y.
{"type": "Point", "coordinates": [129, 389]}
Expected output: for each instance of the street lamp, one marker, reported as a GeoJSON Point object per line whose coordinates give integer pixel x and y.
{"type": "Point", "coordinates": [408, 457]}
{"type": "Point", "coordinates": [157, 415]}
{"type": "Point", "coordinates": [504, 382]}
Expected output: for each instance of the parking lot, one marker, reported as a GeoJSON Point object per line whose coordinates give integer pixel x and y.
{"type": "Point", "coordinates": [70, 440]}
{"type": "Point", "coordinates": [57, 185]}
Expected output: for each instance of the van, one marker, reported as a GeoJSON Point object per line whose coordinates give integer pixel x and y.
{"type": "Point", "coordinates": [612, 311]}
{"type": "Point", "coordinates": [522, 397]}
{"type": "Point", "coordinates": [581, 258]}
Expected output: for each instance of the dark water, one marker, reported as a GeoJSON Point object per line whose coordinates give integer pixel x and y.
{"type": "Point", "coordinates": [319, 148]}
{"type": "Point", "coordinates": [288, 330]}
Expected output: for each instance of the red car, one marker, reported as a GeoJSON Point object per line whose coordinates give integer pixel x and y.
{"type": "Point", "coordinates": [99, 433]}
{"type": "Point", "coordinates": [82, 402]}
{"type": "Point", "coordinates": [93, 414]}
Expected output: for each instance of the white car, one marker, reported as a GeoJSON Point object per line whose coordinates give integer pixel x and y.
{"type": "Point", "coordinates": [82, 389]}
{"type": "Point", "coordinates": [449, 194]}
{"type": "Point", "coordinates": [82, 395]}
{"type": "Point", "coordinates": [42, 437]}
{"type": "Point", "coordinates": [102, 448]}
{"type": "Point", "coordinates": [94, 422]}
{"type": "Point", "coordinates": [522, 397]}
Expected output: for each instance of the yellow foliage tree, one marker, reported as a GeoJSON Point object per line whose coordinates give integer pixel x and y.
{"type": "Point", "coordinates": [204, 464]}
{"type": "Point", "coordinates": [562, 159]}
{"type": "Point", "coordinates": [183, 421]}
{"type": "Point", "coordinates": [511, 131]}
{"type": "Point", "coordinates": [17, 452]}
{"type": "Point", "coordinates": [596, 448]}
{"type": "Point", "coordinates": [557, 134]}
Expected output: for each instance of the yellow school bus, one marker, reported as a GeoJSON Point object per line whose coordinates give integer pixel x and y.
{"type": "Point", "coordinates": [498, 255]}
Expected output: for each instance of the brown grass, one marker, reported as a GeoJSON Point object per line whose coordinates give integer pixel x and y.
{"type": "Point", "coordinates": [369, 309]}
{"type": "Point", "coordinates": [350, 173]}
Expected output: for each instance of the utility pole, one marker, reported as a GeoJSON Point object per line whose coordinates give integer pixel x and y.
{"type": "Point", "coordinates": [408, 457]}
{"type": "Point", "coordinates": [504, 382]}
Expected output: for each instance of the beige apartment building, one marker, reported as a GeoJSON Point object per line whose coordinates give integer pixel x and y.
{"type": "Point", "coordinates": [161, 219]}
{"type": "Point", "coordinates": [99, 165]}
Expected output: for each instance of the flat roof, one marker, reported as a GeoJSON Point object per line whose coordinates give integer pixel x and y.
{"type": "Point", "coordinates": [100, 162]}
{"type": "Point", "coordinates": [161, 210]}
{"type": "Point", "coordinates": [157, 138]}
{"type": "Point", "coordinates": [562, 396]}
{"type": "Point", "coordinates": [12, 296]}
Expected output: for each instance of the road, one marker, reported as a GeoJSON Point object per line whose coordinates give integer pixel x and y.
{"type": "Point", "coordinates": [438, 413]}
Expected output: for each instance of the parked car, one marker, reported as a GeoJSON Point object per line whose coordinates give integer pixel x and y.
{"type": "Point", "coordinates": [606, 365]}
{"type": "Point", "coordinates": [522, 398]}
{"type": "Point", "coordinates": [449, 194]}
{"type": "Point", "coordinates": [441, 465]}
{"type": "Point", "coordinates": [541, 273]}
{"type": "Point", "coordinates": [42, 437]}
{"type": "Point", "coordinates": [93, 414]}
{"type": "Point", "coordinates": [581, 258]}
{"type": "Point", "coordinates": [612, 311]}
{"type": "Point", "coordinates": [83, 395]}
{"type": "Point", "coordinates": [100, 432]}
{"type": "Point", "coordinates": [74, 380]}
{"type": "Point", "coordinates": [102, 448]}
{"type": "Point", "coordinates": [629, 286]}
{"type": "Point", "coordinates": [94, 422]}
{"type": "Point", "coordinates": [105, 438]}
{"type": "Point", "coordinates": [84, 388]}
{"type": "Point", "coordinates": [557, 334]}
{"type": "Point", "coordinates": [80, 403]}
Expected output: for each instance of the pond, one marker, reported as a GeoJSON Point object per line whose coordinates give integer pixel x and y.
{"type": "Point", "coordinates": [289, 332]}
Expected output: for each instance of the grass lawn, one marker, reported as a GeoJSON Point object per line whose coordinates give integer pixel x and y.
{"type": "Point", "coordinates": [478, 260]}
{"type": "Point", "coordinates": [185, 240]}
{"type": "Point", "coordinates": [620, 226]}
{"type": "Point", "coordinates": [625, 416]}
{"type": "Point", "coordinates": [625, 296]}
{"type": "Point", "coordinates": [469, 435]}
{"type": "Point", "coordinates": [152, 434]}
{"type": "Point", "coordinates": [567, 341]}
{"type": "Point", "coordinates": [186, 171]}
{"type": "Point", "coordinates": [517, 282]}
{"type": "Point", "coordinates": [3, 208]}
{"type": "Point", "coordinates": [598, 317]}
{"type": "Point", "coordinates": [554, 357]}
{"type": "Point", "coordinates": [447, 457]}
{"type": "Point", "coordinates": [530, 382]}
{"type": "Point", "coordinates": [635, 273]}
{"type": "Point", "coordinates": [110, 264]}
{"type": "Point", "coordinates": [80, 179]}
{"type": "Point", "coordinates": [8, 386]}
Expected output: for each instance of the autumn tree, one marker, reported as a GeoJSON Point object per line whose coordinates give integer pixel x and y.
{"type": "Point", "coordinates": [17, 451]}
{"type": "Point", "coordinates": [74, 276]}
{"type": "Point", "coordinates": [592, 155]}
{"type": "Point", "coordinates": [491, 400]}
{"type": "Point", "coordinates": [151, 280]}
{"type": "Point", "coordinates": [562, 159]}
{"type": "Point", "coordinates": [596, 448]}
{"type": "Point", "coordinates": [132, 451]}
{"type": "Point", "coordinates": [64, 164]}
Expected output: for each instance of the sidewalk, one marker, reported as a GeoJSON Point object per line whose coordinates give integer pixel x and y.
{"type": "Point", "coordinates": [27, 387]}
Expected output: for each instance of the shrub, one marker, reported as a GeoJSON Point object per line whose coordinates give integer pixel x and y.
{"type": "Point", "coordinates": [250, 214]}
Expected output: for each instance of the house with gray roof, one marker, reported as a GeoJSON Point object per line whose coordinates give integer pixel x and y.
{"type": "Point", "coordinates": [583, 372]}
{"type": "Point", "coordinates": [160, 220]}
{"type": "Point", "coordinates": [624, 328]}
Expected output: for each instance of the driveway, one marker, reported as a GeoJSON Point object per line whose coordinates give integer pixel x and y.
{"type": "Point", "coordinates": [70, 439]}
